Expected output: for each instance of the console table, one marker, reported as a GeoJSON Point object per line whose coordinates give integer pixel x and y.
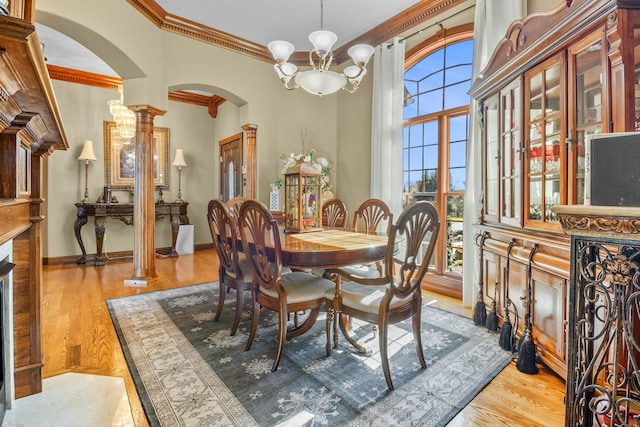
{"type": "Point", "coordinates": [177, 213]}
{"type": "Point", "coordinates": [603, 361]}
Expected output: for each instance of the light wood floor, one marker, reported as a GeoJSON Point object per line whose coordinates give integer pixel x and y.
{"type": "Point", "coordinates": [78, 336]}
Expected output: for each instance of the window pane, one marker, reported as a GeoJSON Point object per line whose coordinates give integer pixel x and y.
{"type": "Point", "coordinates": [431, 180]}
{"type": "Point", "coordinates": [456, 95]}
{"type": "Point", "coordinates": [415, 181]}
{"type": "Point", "coordinates": [431, 133]}
{"type": "Point", "coordinates": [431, 157]}
{"type": "Point", "coordinates": [415, 136]}
{"type": "Point", "coordinates": [429, 83]}
{"type": "Point", "coordinates": [415, 158]}
{"type": "Point", "coordinates": [459, 53]}
{"type": "Point", "coordinates": [428, 65]}
{"type": "Point", "coordinates": [405, 137]}
{"type": "Point", "coordinates": [457, 74]}
{"type": "Point", "coordinates": [457, 154]}
{"type": "Point", "coordinates": [430, 102]}
{"type": "Point", "coordinates": [457, 179]}
{"type": "Point", "coordinates": [458, 128]}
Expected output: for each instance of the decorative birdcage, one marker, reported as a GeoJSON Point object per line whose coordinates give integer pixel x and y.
{"type": "Point", "coordinates": [302, 197]}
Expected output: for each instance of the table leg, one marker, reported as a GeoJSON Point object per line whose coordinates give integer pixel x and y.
{"type": "Point", "coordinates": [175, 226]}
{"type": "Point", "coordinates": [99, 240]}
{"type": "Point", "coordinates": [349, 335]}
{"type": "Point", "coordinates": [77, 226]}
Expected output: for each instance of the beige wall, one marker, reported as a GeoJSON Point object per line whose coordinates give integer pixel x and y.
{"type": "Point", "coordinates": [167, 61]}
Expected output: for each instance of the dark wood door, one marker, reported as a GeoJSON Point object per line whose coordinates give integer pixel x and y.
{"type": "Point", "coordinates": [231, 167]}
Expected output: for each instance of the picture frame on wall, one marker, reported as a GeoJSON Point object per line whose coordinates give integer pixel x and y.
{"type": "Point", "coordinates": [120, 159]}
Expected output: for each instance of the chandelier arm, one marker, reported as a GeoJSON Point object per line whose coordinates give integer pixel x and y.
{"type": "Point", "coordinates": [286, 84]}
{"type": "Point", "coordinates": [311, 63]}
{"type": "Point", "coordinates": [279, 65]}
{"type": "Point", "coordinates": [361, 70]}
{"type": "Point", "coordinates": [352, 89]}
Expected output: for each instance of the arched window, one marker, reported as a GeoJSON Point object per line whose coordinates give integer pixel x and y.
{"type": "Point", "coordinates": [436, 133]}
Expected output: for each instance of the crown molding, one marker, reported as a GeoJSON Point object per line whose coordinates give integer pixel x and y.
{"type": "Point", "coordinates": [109, 82]}
{"type": "Point", "coordinates": [83, 77]}
{"type": "Point", "coordinates": [211, 102]}
{"type": "Point", "coordinates": [398, 24]}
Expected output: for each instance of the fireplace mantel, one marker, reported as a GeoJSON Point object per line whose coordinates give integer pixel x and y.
{"type": "Point", "coordinates": [30, 129]}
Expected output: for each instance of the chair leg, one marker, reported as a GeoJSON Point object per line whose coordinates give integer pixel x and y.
{"type": "Point", "coordinates": [255, 317]}
{"type": "Point", "coordinates": [417, 337]}
{"type": "Point", "coordinates": [220, 302]}
{"type": "Point", "coordinates": [282, 334]}
{"type": "Point", "coordinates": [239, 308]}
{"type": "Point", "coordinates": [330, 320]}
{"type": "Point", "coordinates": [384, 358]}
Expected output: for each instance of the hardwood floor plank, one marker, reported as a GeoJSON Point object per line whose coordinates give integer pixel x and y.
{"type": "Point", "coordinates": [78, 336]}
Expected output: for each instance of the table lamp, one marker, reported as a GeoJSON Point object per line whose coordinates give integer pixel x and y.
{"type": "Point", "coordinates": [178, 161]}
{"type": "Point", "coordinates": [86, 155]}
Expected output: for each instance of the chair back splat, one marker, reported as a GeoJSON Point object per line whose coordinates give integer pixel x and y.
{"type": "Point", "coordinates": [334, 213]}
{"type": "Point", "coordinates": [370, 214]}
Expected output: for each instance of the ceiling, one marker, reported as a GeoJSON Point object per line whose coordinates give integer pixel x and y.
{"type": "Point", "coordinates": [256, 21]}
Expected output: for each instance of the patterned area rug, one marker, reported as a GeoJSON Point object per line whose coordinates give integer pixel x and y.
{"type": "Point", "coordinates": [189, 371]}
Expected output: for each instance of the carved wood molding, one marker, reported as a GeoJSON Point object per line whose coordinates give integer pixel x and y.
{"type": "Point", "coordinates": [526, 40]}
{"type": "Point", "coordinates": [211, 102]}
{"type": "Point", "coordinates": [400, 23]}
{"type": "Point", "coordinates": [83, 77]}
{"type": "Point", "coordinates": [611, 221]}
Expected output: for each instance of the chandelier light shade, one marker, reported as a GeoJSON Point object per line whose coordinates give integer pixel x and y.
{"type": "Point", "coordinates": [86, 156]}
{"type": "Point", "coordinates": [179, 162]}
{"type": "Point", "coordinates": [125, 119]}
{"type": "Point", "coordinates": [320, 80]}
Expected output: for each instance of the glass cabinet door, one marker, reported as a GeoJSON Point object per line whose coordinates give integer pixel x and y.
{"type": "Point", "coordinates": [586, 108]}
{"type": "Point", "coordinates": [546, 153]}
{"type": "Point", "coordinates": [491, 160]}
{"type": "Point", "coordinates": [510, 147]}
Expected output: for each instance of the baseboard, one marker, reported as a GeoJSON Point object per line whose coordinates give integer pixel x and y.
{"type": "Point", "coordinates": [72, 259]}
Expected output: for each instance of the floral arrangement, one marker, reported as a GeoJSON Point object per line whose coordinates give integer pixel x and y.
{"type": "Point", "coordinates": [326, 166]}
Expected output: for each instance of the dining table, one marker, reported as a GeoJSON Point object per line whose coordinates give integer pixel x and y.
{"type": "Point", "coordinates": [328, 249]}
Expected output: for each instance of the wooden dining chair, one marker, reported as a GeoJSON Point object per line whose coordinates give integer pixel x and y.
{"type": "Point", "coordinates": [334, 213]}
{"type": "Point", "coordinates": [372, 216]}
{"type": "Point", "coordinates": [396, 295]}
{"type": "Point", "coordinates": [234, 271]}
{"type": "Point", "coordinates": [234, 204]}
{"type": "Point", "coordinates": [273, 289]}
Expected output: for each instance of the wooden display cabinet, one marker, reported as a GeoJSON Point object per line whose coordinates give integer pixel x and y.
{"type": "Point", "coordinates": [552, 80]}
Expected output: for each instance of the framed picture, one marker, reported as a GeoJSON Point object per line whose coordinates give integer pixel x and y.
{"type": "Point", "coordinates": [120, 159]}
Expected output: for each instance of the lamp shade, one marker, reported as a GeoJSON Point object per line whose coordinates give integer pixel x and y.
{"type": "Point", "coordinates": [318, 82]}
{"type": "Point", "coordinates": [178, 160]}
{"type": "Point", "coordinates": [87, 151]}
{"type": "Point", "coordinates": [360, 53]}
{"type": "Point", "coordinates": [322, 41]}
{"type": "Point", "coordinates": [280, 50]}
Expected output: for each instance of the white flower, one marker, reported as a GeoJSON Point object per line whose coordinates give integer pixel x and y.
{"type": "Point", "coordinates": [323, 162]}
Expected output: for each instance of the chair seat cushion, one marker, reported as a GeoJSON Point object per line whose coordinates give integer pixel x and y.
{"type": "Point", "coordinates": [301, 287]}
{"type": "Point", "coordinates": [365, 298]}
{"type": "Point", "coordinates": [245, 267]}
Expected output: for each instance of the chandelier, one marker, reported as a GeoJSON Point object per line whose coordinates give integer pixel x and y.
{"type": "Point", "coordinates": [125, 119]}
{"type": "Point", "coordinates": [320, 80]}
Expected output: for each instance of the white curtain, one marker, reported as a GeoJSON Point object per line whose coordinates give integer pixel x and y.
{"type": "Point", "coordinates": [386, 132]}
{"type": "Point", "coordinates": [492, 19]}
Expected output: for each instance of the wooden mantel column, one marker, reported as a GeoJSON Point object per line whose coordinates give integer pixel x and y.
{"type": "Point", "coordinates": [144, 213]}
{"type": "Point", "coordinates": [251, 132]}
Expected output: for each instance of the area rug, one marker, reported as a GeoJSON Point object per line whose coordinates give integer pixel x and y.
{"type": "Point", "coordinates": [189, 371]}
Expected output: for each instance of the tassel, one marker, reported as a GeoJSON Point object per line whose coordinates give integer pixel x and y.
{"type": "Point", "coordinates": [480, 313]}
{"type": "Point", "coordinates": [480, 309]}
{"type": "Point", "coordinates": [506, 340]}
{"type": "Point", "coordinates": [527, 355]}
{"type": "Point", "coordinates": [492, 317]}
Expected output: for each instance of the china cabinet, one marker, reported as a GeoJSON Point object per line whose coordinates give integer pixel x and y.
{"type": "Point", "coordinates": [554, 79]}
